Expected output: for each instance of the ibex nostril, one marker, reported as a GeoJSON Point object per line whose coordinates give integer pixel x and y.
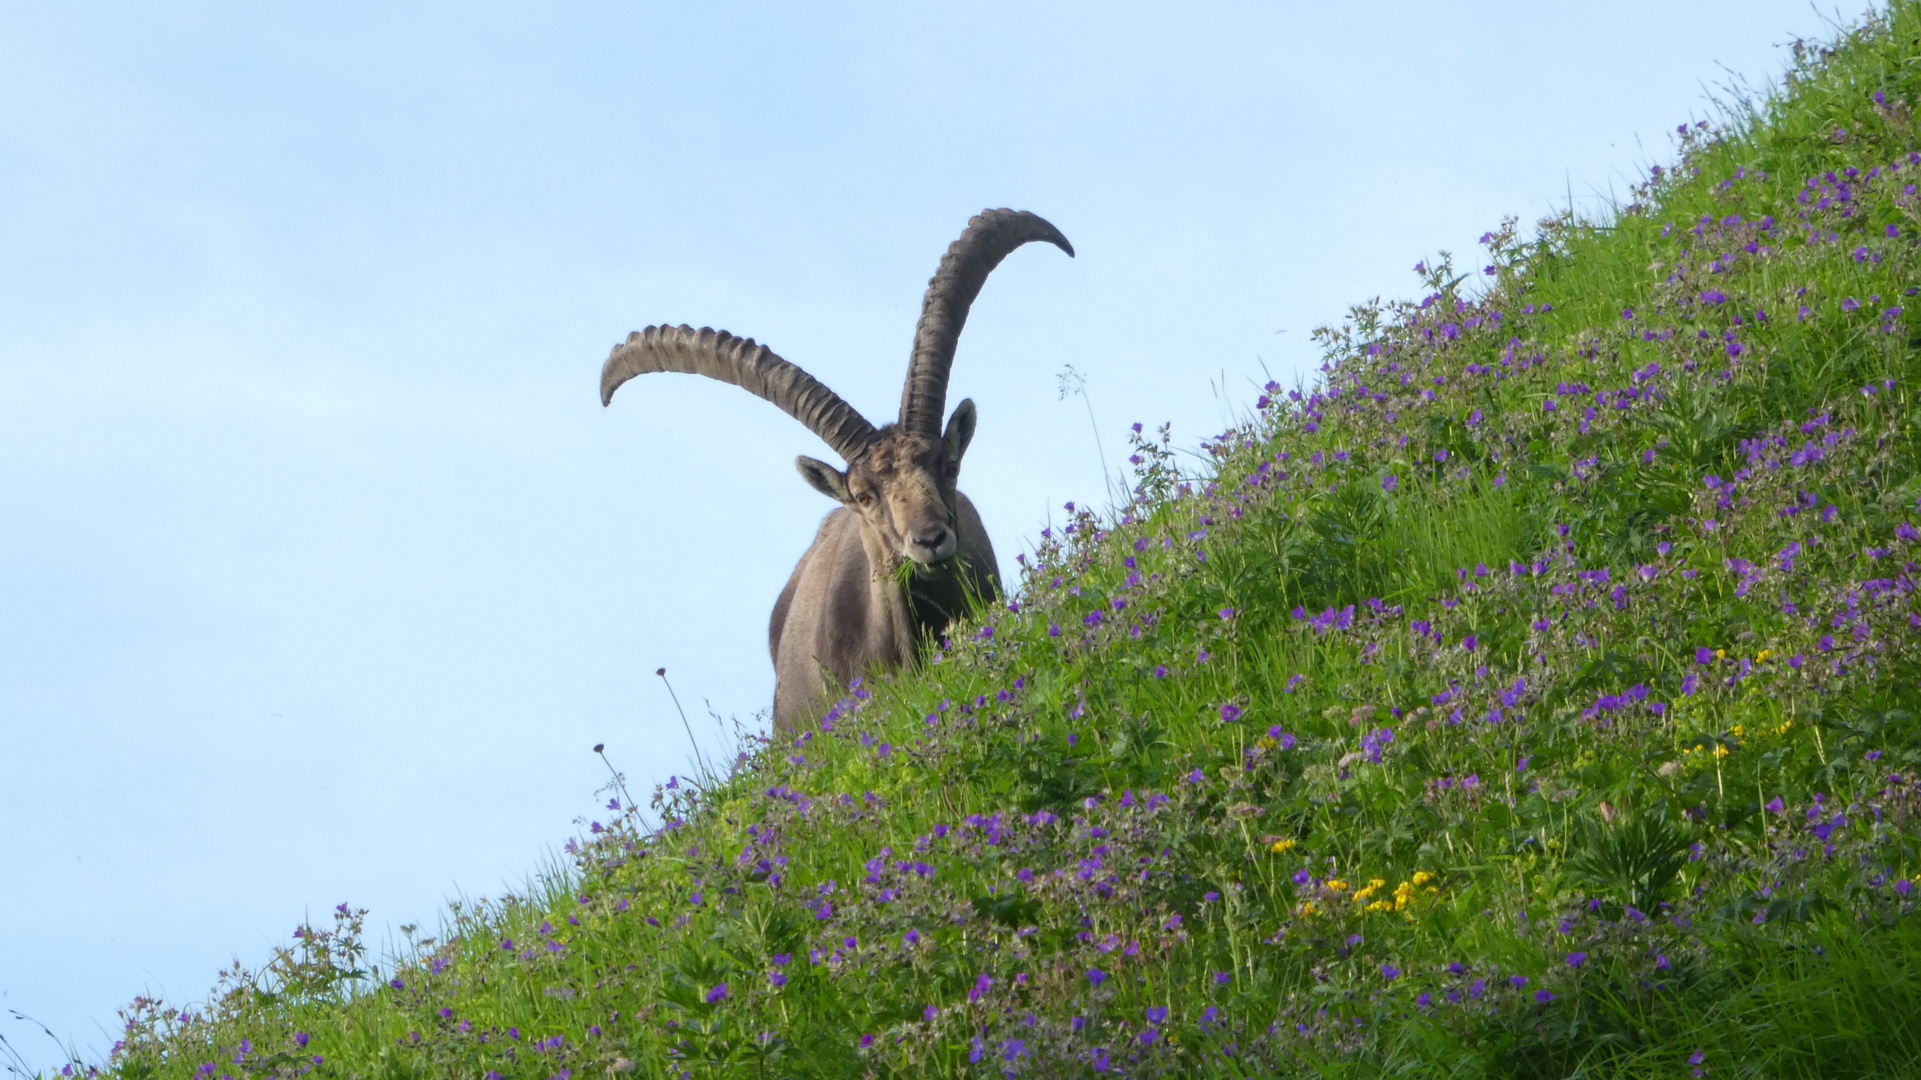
{"type": "Point", "coordinates": [933, 539]}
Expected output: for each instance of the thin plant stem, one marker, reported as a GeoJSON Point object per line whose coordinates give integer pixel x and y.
{"type": "Point", "coordinates": [1073, 382]}
{"type": "Point", "coordinates": [601, 749]}
{"type": "Point", "coordinates": [702, 762]}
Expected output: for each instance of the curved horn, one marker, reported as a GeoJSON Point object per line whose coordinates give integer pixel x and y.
{"type": "Point", "coordinates": [989, 238]}
{"type": "Point", "coordinates": [718, 354]}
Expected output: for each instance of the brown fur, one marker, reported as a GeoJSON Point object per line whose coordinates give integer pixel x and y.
{"type": "Point", "coordinates": [843, 613]}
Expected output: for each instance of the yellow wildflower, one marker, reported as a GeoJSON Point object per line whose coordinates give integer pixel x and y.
{"type": "Point", "coordinates": [1720, 654]}
{"type": "Point", "coordinates": [1265, 742]}
{"type": "Point", "coordinates": [1336, 885]}
{"type": "Point", "coordinates": [1309, 908]}
{"type": "Point", "coordinates": [1422, 877]}
{"type": "Point", "coordinates": [1283, 845]}
{"type": "Point", "coordinates": [1763, 654]}
{"type": "Point", "coordinates": [1720, 751]}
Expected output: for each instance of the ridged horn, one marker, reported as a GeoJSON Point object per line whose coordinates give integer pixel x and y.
{"type": "Point", "coordinates": [989, 238]}
{"type": "Point", "coordinates": [754, 368]}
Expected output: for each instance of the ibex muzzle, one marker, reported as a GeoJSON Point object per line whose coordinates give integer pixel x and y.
{"type": "Point", "coordinates": [844, 611]}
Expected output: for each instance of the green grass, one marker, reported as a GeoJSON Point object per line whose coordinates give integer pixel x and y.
{"type": "Point", "coordinates": [1438, 728]}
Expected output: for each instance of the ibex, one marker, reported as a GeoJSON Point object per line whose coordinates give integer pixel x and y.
{"type": "Point", "coordinates": [845, 610]}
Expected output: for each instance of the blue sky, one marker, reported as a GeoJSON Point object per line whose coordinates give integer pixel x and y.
{"type": "Point", "coordinates": [322, 568]}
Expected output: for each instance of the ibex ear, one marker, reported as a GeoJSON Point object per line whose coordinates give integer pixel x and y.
{"type": "Point", "coordinates": [823, 478]}
{"type": "Point", "coordinates": [960, 429]}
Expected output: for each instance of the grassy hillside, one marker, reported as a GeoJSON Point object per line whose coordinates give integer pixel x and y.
{"type": "Point", "coordinates": [1535, 695]}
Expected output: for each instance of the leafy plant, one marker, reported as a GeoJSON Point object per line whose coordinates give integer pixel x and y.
{"type": "Point", "coordinates": [1635, 861]}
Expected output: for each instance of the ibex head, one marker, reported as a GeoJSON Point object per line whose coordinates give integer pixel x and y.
{"type": "Point", "coordinates": [902, 487]}
{"type": "Point", "coordinates": [900, 479]}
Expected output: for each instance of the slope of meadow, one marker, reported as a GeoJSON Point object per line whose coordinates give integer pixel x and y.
{"type": "Point", "coordinates": [1534, 695]}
